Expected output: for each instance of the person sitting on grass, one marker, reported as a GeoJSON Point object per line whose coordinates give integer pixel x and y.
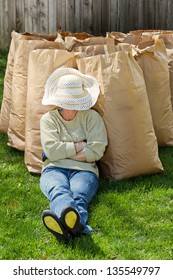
{"type": "Point", "coordinates": [73, 138]}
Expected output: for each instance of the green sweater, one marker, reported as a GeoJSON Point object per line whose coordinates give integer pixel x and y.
{"type": "Point", "coordinates": [58, 137]}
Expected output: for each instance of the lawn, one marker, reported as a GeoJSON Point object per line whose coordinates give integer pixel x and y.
{"type": "Point", "coordinates": [132, 219]}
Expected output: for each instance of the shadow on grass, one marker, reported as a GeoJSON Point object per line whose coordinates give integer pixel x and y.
{"type": "Point", "coordinates": [86, 246]}
{"type": "Point", "coordinates": [144, 183]}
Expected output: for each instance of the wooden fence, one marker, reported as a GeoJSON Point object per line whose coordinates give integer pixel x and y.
{"type": "Point", "coordinates": [92, 16]}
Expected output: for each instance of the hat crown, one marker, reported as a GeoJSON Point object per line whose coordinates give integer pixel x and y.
{"type": "Point", "coordinates": [70, 81]}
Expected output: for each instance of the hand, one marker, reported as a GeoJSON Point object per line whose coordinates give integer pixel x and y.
{"type": "Point", "coordinates": [79, 146]}
{"type": "Point", "coordinates": [80, 156]}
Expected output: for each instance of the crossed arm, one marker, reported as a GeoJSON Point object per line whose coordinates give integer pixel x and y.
{"type": "Point", "coordinates": [89, 151]}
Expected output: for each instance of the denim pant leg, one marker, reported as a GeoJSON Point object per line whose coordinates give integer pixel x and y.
{"type": "Point", "coordinates": [84, 185]}
{"type": "Point", "coordinates": [54, 184]}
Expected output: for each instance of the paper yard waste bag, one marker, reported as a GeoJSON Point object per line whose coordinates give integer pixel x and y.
{"type": "Point", "coordinates": [7, 94]}
{"type": "Point", "coordinates": [6, 101]}
{"type": "Point", "coordinates": [153, 61]}
{"type": "Point", "coordinates": [42, 62]}
{"type": "Point", "coordinates": [16, 129]}
{"type": "Point", "coordinates": [132, 148]}
{"type": "Point", "coordinates": [168, 42]}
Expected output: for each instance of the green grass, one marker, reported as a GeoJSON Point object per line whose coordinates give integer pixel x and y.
{"type": "Point", "coordinates": [132, 219]}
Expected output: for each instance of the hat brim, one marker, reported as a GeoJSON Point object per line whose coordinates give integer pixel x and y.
{"type": "Point", "coordinates": [51, 96]}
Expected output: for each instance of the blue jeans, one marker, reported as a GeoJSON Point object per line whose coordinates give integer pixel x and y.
{"type": "Point", "coordinates": [67, 187]}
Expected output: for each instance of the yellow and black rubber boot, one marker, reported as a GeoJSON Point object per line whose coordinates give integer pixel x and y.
{"type": "Point", "coordinates": [71, 220]}
{"type": "Point", "coordinates": [55, 226]}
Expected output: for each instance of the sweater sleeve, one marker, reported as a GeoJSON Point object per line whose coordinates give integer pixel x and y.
{"type": "Point", "coordinates": [54, 148]}
{"type": "Point", "coordinates": [96, 137]}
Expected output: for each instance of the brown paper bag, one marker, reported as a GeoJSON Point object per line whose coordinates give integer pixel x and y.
{"type": "Point", "coordinates": [153, 60]}
{"type": "Point", "coordinates": [41, 65]}
{"type": "Point", "coordinates": [132, 148]}
{"type": "Point", "coordinates": [168, 42]}
{"type": "Point", "coordinates": [7, 93]}
{"type": "Point", "coordinates": [16, 129]}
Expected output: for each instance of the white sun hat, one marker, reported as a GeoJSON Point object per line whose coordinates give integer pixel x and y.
{"type": "Point", "coordinates": [69, 89]}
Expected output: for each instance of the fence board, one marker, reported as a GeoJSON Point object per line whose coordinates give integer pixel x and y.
{"type": "Point", "coordinates": [105, 16]}
{"type": "Point", "coordinates": [92, 16]}
{"type": "Point", "coordinates": [124, 14]}
{"type": "Point", "coordinates": [52, 16]}
{"type": "Point", "coordinates": [114, 15]}
{"type": "Point", "coordinates": [160, 10]}
{"type": "Point", "coordinates": [79, 15]}
{"type": "Point", "coordinates": [31, 16]}
{"type": "Point", "coordinates": [132, 15]}
{"type": "Point", "coordinates": [87, 16]}
{"type": "Point", "coordinates": [169, 21]}
{"type": "Point", "coordinates": [12, 14]}
{"type": "Point", "coordinates": [20, 16]}
{"type": "Point", "coordinates": [43, 15]}
{"type": "Point", "coordinates": [4, 28]}
{"type": "Point", "coordinates": [70, 15]}
{"type": "Point", "coordinates": [61, 14]}
{"type": "Point", "coordinates": [1, 29]}
{"type": "Point", "coordinates": [150, 14]}
{"type": "Point", "coordinates": [163, 14]}
{"type": "Point", "coordinates": [97, 16]}
{"type": "Point", "coordinates": [141, 12]}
